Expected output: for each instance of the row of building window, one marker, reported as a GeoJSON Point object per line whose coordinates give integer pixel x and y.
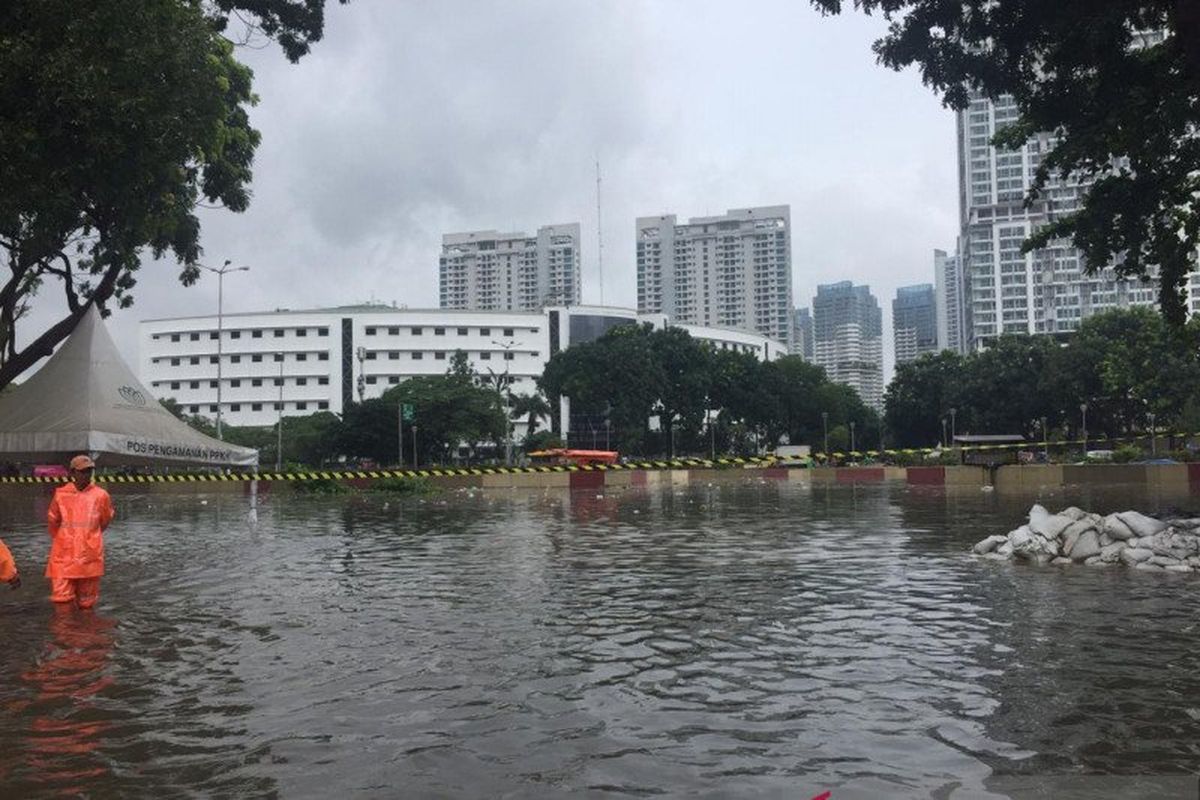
{"type": "Point", "coordinates": [236, 358]}
{"type": "Point", "coordinates": [394, 330]}
{"type": "Point", "coordinates": [321, 380]}
{"type": "Point", "coordinates": [255, 333]}
{"type": "Point", "coordinates": [299, 405]}
{"type": "Point", "coordinates": [439, 355]}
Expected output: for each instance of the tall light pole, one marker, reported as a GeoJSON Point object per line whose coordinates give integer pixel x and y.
{"type": "Point", "coordinates": [944, 440]}
{"type": "Point", "coordinates": [1153, 438]}
{"type": "Point", "coordinates": [1083, 412]}
{"type": "Point", "coordinates": [852, 447]}
{"type": "Point", "coordinates": [220, 273]}
{"type": "Point", "coordinates": [953, 427]}
{"type": "Point", "coordinates": [508, 424]}
{"type": "Point", "coordinates": [825, 426]}
{"type": "Point", "coordinates": [1045, 442]}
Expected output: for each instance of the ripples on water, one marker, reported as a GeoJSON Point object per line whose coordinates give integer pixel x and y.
{"type": "Point", "coordinates": [722, 641]}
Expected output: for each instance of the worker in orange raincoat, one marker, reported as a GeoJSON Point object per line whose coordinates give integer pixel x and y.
{"type": "Point", "coordinates": [79, 513]}
{"type": "Point", "coordinates": [8, 567]}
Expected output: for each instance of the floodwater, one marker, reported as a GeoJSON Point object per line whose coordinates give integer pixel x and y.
{"type": "Point", "coordinates": [717, 641]}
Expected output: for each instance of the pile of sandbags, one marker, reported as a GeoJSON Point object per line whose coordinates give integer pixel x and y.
{"type": "Point", "coordinates": [1073, 536]}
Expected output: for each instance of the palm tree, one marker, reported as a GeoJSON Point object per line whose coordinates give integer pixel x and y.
{"type": "Point", "coordinates": [532, 405]}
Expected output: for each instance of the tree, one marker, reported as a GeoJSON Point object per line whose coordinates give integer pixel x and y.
{"type": "Point", "coordinates": [295, 24]}
{"type": "Point", "coordinates": [118, 118]}
{"type": "Point", "coordinates": [533, 406]}
{"type": "Point", "coordinates": [1127, 364]}
{"type": "Point", "coordinates": [1088, 72]}
{"type": "Point", "coordinates": [919, 397]}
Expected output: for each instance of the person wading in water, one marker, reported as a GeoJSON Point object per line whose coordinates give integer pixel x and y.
{"type": "Point", "coordinates": [78, 515]}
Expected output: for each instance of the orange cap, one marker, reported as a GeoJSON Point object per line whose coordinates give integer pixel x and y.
{"type": "Point", "coordinates": [82, 463]}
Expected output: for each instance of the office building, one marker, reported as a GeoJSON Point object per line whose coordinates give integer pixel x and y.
{"type": "Point", "coordinates": [848, 339]}
{"type": "Point", "coordinates": [491, 271]}
{"type": "Point", "coordinates": [914, 322]}
{"type": "Point", "coordinates": [951, 320]}
{"type": "Point", "coordinates": [729, 271]}
{"type": "Point", "coordinates": [297, 363]}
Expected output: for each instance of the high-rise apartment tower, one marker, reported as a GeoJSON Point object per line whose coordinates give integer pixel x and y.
{"type": "Point", "coordinates": [914, 322]}
{"type": "Point", "coordinates": [732, 271]}
{"type": "Point", "coordinates": [491, 271]}
{"type": "Point", "coordinates": [1007, 291]}
{"type": "Point", "coordinates": [848, 338]}
{"type": "Point", "coordinates": [951, 319]}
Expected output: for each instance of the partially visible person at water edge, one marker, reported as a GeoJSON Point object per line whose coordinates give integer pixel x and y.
{"type": "Point", "coordinates": [78, 516]}
{"type": "Point", "coordinates": [8, 567]}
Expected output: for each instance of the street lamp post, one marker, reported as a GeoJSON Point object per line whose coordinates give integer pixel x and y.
{"type": "Point", "coordinates": [1045, 442]}
{"type": "Point", "coordinates": [953, 426]}
{"type": "Point", "coordinates": [508, 427]}
{"type": "Point", "coordinates": [945, 441]}
{"type": "Point", "coordinates": [825, 426]}
{"type": "Point", "coordinates": [220, 273]}
{"type": "Point", "coordinates": [1083, 412]}
{"type": "Point", "coordinates": [852, 447]}
{"type": "Point", "coordinates": [1153, 438]}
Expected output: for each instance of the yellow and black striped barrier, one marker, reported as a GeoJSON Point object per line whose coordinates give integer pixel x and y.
{"type": "Point", "coordinates": [677, 463]}
{"type": "Point", "coordinates": [432, 472]}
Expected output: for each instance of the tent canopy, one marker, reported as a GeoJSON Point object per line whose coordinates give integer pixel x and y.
{"type": "Point", "coordinates": [86, 399]}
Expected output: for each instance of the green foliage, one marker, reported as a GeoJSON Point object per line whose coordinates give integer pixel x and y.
{"type": "Point", "coordinates": [1124, 364]}
{"type": "Point", "coordinates": [532, 406]}
{"type": "Point", "coordinates": [449, 409]}
{"type": "Point", "coordinates": [1085, 72]}
{"type": "Point", "coordinates": [636, 372]}
{"type": "Point", "coordinates": [920, 395]}
{"type": "Point", "coordinates": [1126, 454]}
{"type": "Point", "coordinates": [541, 440]}
{"type": "Point", "coordinates": [116, 120]}
{"type": "Point", "coordinates": [295, 24]}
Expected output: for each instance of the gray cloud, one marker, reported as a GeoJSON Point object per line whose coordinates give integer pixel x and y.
{"type": "Point", "coordinates": [412, 119]}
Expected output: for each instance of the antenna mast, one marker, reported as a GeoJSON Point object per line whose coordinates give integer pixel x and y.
{"type": "Point", "coordinates": [599, 234]}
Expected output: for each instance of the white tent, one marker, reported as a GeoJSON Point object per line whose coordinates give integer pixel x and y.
{"type": "Point", "coordinates": [86, 399]}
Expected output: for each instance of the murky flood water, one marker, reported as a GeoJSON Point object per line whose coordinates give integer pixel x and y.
{"type": "Point", "coordinates": [755, 640]}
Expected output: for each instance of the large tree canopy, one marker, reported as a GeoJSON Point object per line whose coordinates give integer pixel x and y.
{"type": "Point", "coordinates": [116, 119]}
{"type": "Point", "coordinates": [1124, 108]}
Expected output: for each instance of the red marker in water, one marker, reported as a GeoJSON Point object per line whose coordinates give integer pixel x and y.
{"type": "Point", "coordinates": [823, 796]}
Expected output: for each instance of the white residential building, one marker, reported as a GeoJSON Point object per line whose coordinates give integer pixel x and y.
{"type": "Point", "coordinates": [492, 271]}
{"type": "Point", "coordinates": [951, 320]}
{"type": "Point", "coordinates": [300, 362]}
{"type": "Point", "coordinates": [1007, 291]}
{"type": "Point", "coordinates": [729, 271]}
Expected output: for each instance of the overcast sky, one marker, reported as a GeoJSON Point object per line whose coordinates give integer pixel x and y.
{"type": "Point", "coordinates": [413, 119]}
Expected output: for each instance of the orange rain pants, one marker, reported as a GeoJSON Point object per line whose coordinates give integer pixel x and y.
{"type": "Point", "coordinates": [8, 567]}
{"type": "Point", "coordinates": [76, 521]}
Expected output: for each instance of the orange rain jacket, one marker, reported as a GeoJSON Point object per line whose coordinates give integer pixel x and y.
{"type": "Point", "coordinates": [77, 521]}
{"type": "Point", "coordinates": [8, 567]}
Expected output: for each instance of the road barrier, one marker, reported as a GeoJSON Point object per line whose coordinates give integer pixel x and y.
{"type": "Point", "coordinates": [656, 464]}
